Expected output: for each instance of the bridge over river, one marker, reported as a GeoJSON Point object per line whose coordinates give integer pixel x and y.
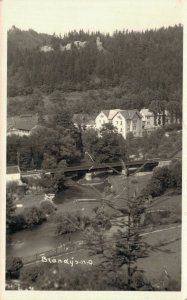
{"type": "Point", "coordinates": [143, 165]}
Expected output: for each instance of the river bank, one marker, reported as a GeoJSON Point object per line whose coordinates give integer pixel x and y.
{"type": "Point", "coordinates": [76, 197]}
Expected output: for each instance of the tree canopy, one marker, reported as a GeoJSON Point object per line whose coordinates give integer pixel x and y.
{"type": "Point", "coordinates": [145, 66]}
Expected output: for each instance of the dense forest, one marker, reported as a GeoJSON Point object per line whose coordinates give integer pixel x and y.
{"type": "Point", "coordinates": [146, 64]}
{"type": "Point", "coordinates": [133, 70]}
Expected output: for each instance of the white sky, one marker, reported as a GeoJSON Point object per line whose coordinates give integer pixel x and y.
{"type": "Point", "coordinates": [61, 16]}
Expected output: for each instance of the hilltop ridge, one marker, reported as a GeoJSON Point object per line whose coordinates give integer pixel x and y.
{"type": "Point", "coordinates": [140, 63]}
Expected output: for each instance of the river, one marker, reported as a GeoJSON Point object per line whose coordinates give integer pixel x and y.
{"type": "Point", "coordinates": [42, 238]}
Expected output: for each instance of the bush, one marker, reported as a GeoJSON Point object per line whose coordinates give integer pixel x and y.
{"type": "Point", "coordinates": [164, 178]}
{"type": "Point", "coordinates": [30, 275]}
{"type": "Point", "coordinates": [172, 127]}
{"type": "Point", "coordinates": [176, 175]}
{"type": "Point", "coordinates": [66, 223]}
{"type": "Point", "coordinates": [140, 282]}
{"type": "Point", "coordinates": [12, 187]}
{"type": "Point", "coordinates": [18, 222]}
{"type": "Point", "coordinates": [154, 188]}
{"type": "Point", "coordinates": [33, 216]}
{"type": "Point", "coordinates": [52, 184]}
{"type": "Point", "coordinates": [33, 181]}
{"type": "Point", "coordinates": [47, 207]}
{"type": "Point", "coordinates": [152, 218]}
{"type": "Point", "coordinates": [13, 266]}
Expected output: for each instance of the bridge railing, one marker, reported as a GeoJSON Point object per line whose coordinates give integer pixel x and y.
{"type": "Point", "coordinates": [93, 166]}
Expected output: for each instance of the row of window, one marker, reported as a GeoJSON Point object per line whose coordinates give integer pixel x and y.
{"type": "Point", "coordinates": [134, 127]}
{"type": "Point", "coordinates": [121, 123]}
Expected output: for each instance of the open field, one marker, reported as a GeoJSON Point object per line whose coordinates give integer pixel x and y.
{"type": "Point", "coordinates": [29, 200]}
{"type": "Point", "coordinates": [163, 256]}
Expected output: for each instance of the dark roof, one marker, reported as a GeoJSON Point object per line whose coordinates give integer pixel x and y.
{"type": "Point", "coordinates": [129, 114]}
{"type": "Point", "coordinates": [82, 118]}
{"type": "Point", "coordinates": [24, 122]}
{"type": "Point", "coordinates": [110, 114]}
{"type": "Point", "coordinates": [106, 112]}
{"type": "Point", "coordinates": [12, 170]}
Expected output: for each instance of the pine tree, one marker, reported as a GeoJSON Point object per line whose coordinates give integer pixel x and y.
{"type": "Point", "coordinates": [126, 246]}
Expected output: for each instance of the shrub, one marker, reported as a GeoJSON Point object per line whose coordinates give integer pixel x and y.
{"type": "Point", "coordinates": [164, 178]}
{"type": "Point", "coordinates": [30, 274]}
{"type": "Point", "coordinates": [172, 127]}
{"type": "Point", "coordinates": [47, 207]}
{"type": "Point", "coordinates": [152, 218]}
{"type": "Point", "coordinates": [13, 266]}
{"type": "Point", "coordinates": [52, 184]}
{"type": "Point", "coordinates": [176, 175]}
{"type": "Point", "coordinates": [33, 216]}
{"type": "Point", "coordinates": [12, 187]}
{"type": "Point", "coordinates": [66, 223]}
{"type": "Point", "coordinates": [33, 181]}
{"type": "Point", "coordinates": [140, 282]}
{"type": "Point", "coordinates": [18, 222]}
{"type": "Point", "coordinates": [154, 188]}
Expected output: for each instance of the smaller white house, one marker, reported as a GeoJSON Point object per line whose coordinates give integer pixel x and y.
{"type": "Point", "coordinates": [147, 118]}
{"type": "Point", "coordinates": [149, 121]}
{"type": "Point", "coordinates": [13, 174]}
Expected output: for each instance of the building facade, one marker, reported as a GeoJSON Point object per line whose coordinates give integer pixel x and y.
{"type": "Point", "coordinates": [149, 121]}
{"type": "Point", "coordinates": [124, 121]}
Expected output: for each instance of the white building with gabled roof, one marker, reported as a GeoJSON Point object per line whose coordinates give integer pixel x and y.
{"type": "Point", "coordinates": [150, 121]}
{"type": "Point", "coordinates": [124, 121]}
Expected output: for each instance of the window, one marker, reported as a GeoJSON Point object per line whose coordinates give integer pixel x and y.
{"type": "Point", "coordinates": [148, 118]}
{"type": "Point", "coordinates": [121, 130]}
{"type": "Point", "coordinates": [134, 127]}
{"type": "Point", "coordinates": [121, 123]}
{"type": "Point", "coordinates": [116, 122]}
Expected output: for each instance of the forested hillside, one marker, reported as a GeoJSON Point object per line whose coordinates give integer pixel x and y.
{"type": "Point", "coordinates": [30, 39]}
{"type": "Point", "coordinates": [131, 70]}
{"type": "Point", "coordinates": [144, 66]}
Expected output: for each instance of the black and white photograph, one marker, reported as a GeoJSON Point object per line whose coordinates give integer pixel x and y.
{"type": "Point", "coordinates": [94, 127]}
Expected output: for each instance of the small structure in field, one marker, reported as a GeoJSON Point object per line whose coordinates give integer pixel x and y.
{"type": "Point", "coordinates": [13, 174]}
